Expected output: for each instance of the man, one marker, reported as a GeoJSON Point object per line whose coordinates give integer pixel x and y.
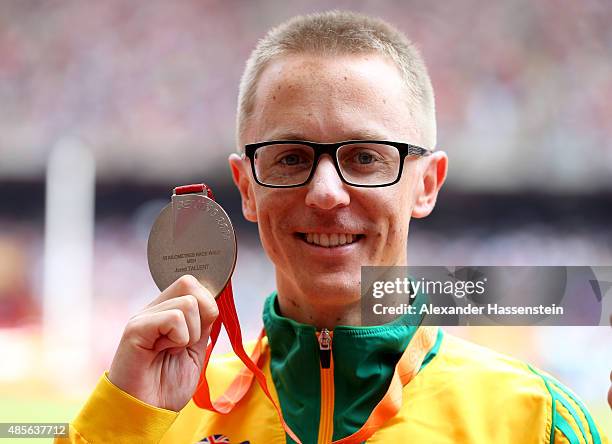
{"type": "Point", "coordinates": [323, 210]}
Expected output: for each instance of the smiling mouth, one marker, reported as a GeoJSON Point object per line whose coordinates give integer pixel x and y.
{"type": "Point", "coordinates": [330, 240]}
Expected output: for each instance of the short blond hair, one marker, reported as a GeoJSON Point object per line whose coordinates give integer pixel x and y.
{"type": "Point", "coordinates": [340, 33]}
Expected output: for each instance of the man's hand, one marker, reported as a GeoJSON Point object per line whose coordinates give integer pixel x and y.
{"type": "Point", "coordinates": [162, 350]}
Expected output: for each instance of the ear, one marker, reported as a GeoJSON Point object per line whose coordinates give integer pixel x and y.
{"type": "Point", "coordinates": [242, 179]}
{"type": "Point", "coordinates": [430, 183]}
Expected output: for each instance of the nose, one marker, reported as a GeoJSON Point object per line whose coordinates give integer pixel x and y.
{"type": "Point", "coordinates": [326, 190]}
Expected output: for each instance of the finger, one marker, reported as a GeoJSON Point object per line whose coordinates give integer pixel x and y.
{"type": "Point", "coordinates": [147, 329]}
{"type": "Point", "coordinates": [189, 305]}
{"type": "Point", "coordinates": [188, 284]}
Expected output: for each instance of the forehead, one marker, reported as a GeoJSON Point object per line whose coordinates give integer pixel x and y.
{"type": "Point", "coordinates": [326, 99]}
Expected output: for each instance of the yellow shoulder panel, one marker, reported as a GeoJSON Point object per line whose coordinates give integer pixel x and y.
{"type": "Point", "coordinates": [470, 394]}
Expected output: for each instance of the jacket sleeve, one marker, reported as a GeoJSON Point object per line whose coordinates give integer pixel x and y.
{"type": "Point", "coordinates": [112, 415]}
{"type": "Point", "coordinates": [571, 422]}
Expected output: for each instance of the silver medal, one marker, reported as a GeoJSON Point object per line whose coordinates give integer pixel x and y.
{"type": "Point", "coordinates": [192, 235]}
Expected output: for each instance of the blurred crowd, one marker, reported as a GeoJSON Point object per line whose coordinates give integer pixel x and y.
{"type": "Point", "coordinates": [524, 89]}
{"type": "Point", "coordinates": [122, 283]}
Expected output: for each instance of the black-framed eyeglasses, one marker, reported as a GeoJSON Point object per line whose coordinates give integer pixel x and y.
{"type": "Point", "coordinates": [360, 163]}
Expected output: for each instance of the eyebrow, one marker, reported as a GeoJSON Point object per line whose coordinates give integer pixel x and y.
{"type": "Point", "coordinates": [364, 134]}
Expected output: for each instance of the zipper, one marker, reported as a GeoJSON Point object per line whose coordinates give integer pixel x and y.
{"type": "Point", "coordinates": [326, 420]}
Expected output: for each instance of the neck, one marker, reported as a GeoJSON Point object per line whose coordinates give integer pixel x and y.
{"type": "Point", "coordinates": [317, 309]}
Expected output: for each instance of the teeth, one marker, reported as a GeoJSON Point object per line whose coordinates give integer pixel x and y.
{"type": "Point", "coordinates": [330, 240]}
{"type": "Point", "coordinates": [324, 239]}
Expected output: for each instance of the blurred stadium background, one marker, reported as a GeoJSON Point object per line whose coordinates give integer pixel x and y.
{"type": "Point", "coordinates": [105, 106]}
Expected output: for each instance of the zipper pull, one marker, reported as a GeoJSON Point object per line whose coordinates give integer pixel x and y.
{"type": "Point", "coordinates": [325, 347]}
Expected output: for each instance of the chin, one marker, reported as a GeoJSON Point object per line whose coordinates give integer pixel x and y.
{"type": "Point", "coordinates": [346, 287]}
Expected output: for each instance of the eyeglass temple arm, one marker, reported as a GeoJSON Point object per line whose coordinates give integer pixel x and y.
{"type": "Point", "coordinates": [418, 151]}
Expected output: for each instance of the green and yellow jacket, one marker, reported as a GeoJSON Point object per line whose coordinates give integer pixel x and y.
{"type": "Point", "coordinates": [462, 393]}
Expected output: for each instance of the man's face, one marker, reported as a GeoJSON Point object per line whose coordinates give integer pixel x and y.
{"type": "Point", "coordinates": [331, 99]}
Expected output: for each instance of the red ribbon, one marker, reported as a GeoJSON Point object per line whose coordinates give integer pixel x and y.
{"type": "Point", "coordinates": [229, 318]}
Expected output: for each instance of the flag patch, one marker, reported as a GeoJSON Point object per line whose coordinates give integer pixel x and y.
{"type": "Point", "coordinates": [217, 439]}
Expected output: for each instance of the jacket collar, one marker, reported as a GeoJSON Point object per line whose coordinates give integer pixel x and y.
{"type": "Point", "coordinates": [364, 362]}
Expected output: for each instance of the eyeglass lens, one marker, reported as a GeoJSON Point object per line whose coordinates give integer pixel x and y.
{"type": "Point", "coordinates": [359, 163]}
